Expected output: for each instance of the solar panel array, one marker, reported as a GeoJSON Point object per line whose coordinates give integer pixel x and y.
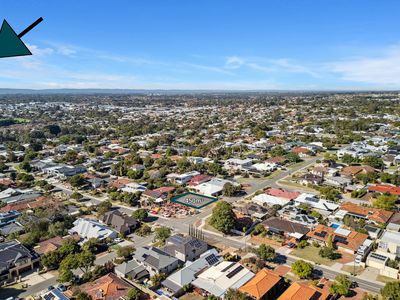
{"type": "Point", "coordinates": [212, 259]}
{"type": "Point", "coordinates": [234, 272]}
{"type": "Point", "coordinates": [195, 243]}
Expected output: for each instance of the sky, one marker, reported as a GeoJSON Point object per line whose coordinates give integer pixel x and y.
{"type": "Point", "coordinates": [207, 44]}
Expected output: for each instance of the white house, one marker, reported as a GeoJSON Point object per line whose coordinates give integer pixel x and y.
{"type": "Point", "coordinates": [316, 202]}
{"type": "Point", "coordinates": [88, 229]}
{"type": "Point", "coordinates": [218, 279]}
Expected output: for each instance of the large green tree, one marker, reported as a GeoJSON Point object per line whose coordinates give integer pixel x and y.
{"type": "Point", "coordinates": [302, 269]}
{"type": "Point", "coordinates": [391, 291]}
{"type": "Point", "coordinates": [341, 285]}
{"type": "Point", "coordinates": [223, 217]}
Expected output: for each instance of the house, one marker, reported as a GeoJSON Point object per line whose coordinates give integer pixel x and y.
{"type": "Point", "coordinates": [355, 170]}
{"type": "Point", "coordinates": [390, 242]}
{"type": "Point", "coordinates": [265, 199]}
{"type": "Point", "coordinates": [282, 193]}
{"type": "Point", "coordinates": [238, 164]}
{"type": "Point", "coordinates": [279, 160]}
{"type": "Point", "coordinates": [265, 285]}
{"type": "Point", "coordinates": [12, 227]}
{"type": "Point", "coordinates": [124, 224]}
{"type": "Point", "coordinates": [252, 210]}
{"type": "Point", "coordinates": [285, 228]}
{"type": "Point", "coordinates": [185, 248]}
{"type": "Point", "coordinates": [107, 287]}
{"type": "Point", "coordinates": [371, 214]}
{"type": "Point", "coordinates": [49, 245]}
{"type": "Point", "coordinates": [175, 282]}
{"type": "Point", "coordinates": [131, 270]}
{"type": "Point", "coordinates": [133, 188]}
{"type": "Point", "coordinates": [8, 217]}
{"type": "Point", "coordinates": [88, 229]}
{"type": "Point", "coordinates": [315, 202]}
{"type": "Point", "coordinates": [303, 291]}
{"type": "Point", "coordinates": [65, 171]}
{"type": "Point", "coordinates": [199, 179]}
{"type": "Point", "coordinates": [337, 181]}
{"type": "Point", "coordinates": [54, 294]}
{"type": "Point", "coordinates": [212, 188]}
{"type": "Point", "coordinates": [385, 188]}
{"type": "Point", "coordinates": [15, 259]}
{"type": "Point", "coordinates": [312, 179]}
{"type": "Point", "coordinates": [347, 240]}
{"type": "Point", "coordinates": [394, 223]}
{"type": "Point", "coordinates": [181, 179]}
{"type": "Point", "coordinates": [302, 151]}
{"type": "Point", "coordinates": [218, 279]}
{"type": "Point", "coordinates": [156, 260]}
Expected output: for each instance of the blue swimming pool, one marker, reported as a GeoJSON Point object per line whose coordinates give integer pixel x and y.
{"type": "Point", "coordinates": [335, 225]}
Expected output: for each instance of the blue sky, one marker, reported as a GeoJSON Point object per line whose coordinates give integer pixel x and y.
{"type": "Point", "coordinates": [207, 44]}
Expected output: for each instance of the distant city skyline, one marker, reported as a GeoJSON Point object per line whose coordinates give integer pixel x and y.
{"type": "Point", "coordinates": [206, 45]}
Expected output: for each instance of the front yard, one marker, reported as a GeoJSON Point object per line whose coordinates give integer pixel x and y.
{"type": "Point", "coordinates": [311, 253]}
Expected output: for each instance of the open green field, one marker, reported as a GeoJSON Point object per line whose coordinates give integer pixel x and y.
{"type": "Point", "coordinates": [311, 253]}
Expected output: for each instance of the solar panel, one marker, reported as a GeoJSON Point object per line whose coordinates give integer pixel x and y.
{"type": "Point", "coordinates": [212, 259]}
{"type": "Point", "coordinates": [234, 272]}
{"type": "Point", "coordinates": [195, 243]}
{"type": "Point", "coordinates": [228, 267]}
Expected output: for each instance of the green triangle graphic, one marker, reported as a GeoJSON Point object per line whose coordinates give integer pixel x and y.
{"type": "Point", "coordinates": [10, 44]}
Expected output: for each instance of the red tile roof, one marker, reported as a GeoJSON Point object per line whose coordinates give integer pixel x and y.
{"type": "Point", "coordinates": [108, 287]}
{"type": "Point", "coordinates": [373, 214]}
{"type": "Point", "coordinates": [282, 193]}
{"type": "Point", "coordinates": [384, 188]}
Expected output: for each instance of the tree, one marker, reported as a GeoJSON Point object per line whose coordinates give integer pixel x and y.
{"type": "Point", "coordinates": [103, 207]}
{"type": "Point", "coordinates": [133, 294]}
{"type": "Point", "coordinates": [125, 251]}
{"type": "Point", "coordinates": [144, 230]}
{"type": "Point", "coordinates": [83, 296]}
{"type": "Point", "coordinates": [223, 217]}
{"type": "Point", "coordinates": [156, 279]}
{"type": "Point", "coordinates": [391, 291]}
{"type": "Point", "coordinates": [373, 161]}
{"type": "Point", "coordinates": [65, 275]}
{"type": "Point", "coordinates": [235, 294]}
{"type": "Point", "coordinates": [25, 166]}
{"type": "Point", "coordinates": [293, 157]}
{"type": "Point", "coordinates": [386, 202]}
{"type": "Point", "coordinates": [77, 180]}
{"type": "Point", "coordinates": [229, 189]}
{"type": "Point", "coordinates": [341, 285]}
{"type": "Point", "coordinates": [53, 129]}
{"type": "Point", "coordinates": [302, 244]}
{"type": "Point", "coordinates": [140, 214]}
{"type": "Point", "coordinates": [266, 252]}
{"type": "Point", "coordinates": [51, 260]}
{"type": "Point", "coordinates": [162, 233]}
{"type": "Point", "coordinates": [302, 269]}
{"type": "Point", "coordinates": [85, 260]}
{"type": "Point", "coordinates": [91, 245]}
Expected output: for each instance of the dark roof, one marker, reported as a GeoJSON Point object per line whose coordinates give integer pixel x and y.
{"type": "Point", "coordinates": [183, 244]}
{"type": "Point", "coordinates": [119, 221]}
{"type": "Point", "coordinates": [11, 252]}
{"type": "Point", "coordinates": [286, 226]}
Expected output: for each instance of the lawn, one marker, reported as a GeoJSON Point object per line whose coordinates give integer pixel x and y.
{"type": "Point", "coordinates": [311, 253]}
{"type": "Point", "coordinates": [385, 279]}
{"type": "Point", "coordinates": [191, 296]}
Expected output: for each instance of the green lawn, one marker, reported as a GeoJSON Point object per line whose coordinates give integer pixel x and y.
{"type": "Point", "coordinates": [311, 253]}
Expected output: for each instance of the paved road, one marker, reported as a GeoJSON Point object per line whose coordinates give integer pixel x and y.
{"type": "Point", "coordinates": [369, 286]}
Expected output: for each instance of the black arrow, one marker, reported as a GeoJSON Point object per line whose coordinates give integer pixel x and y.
{"type": "Point", "coordinates": [30, 27]}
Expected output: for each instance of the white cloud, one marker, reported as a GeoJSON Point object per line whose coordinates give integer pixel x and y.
{"type": "Point", "coordinates": [383, 69]}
